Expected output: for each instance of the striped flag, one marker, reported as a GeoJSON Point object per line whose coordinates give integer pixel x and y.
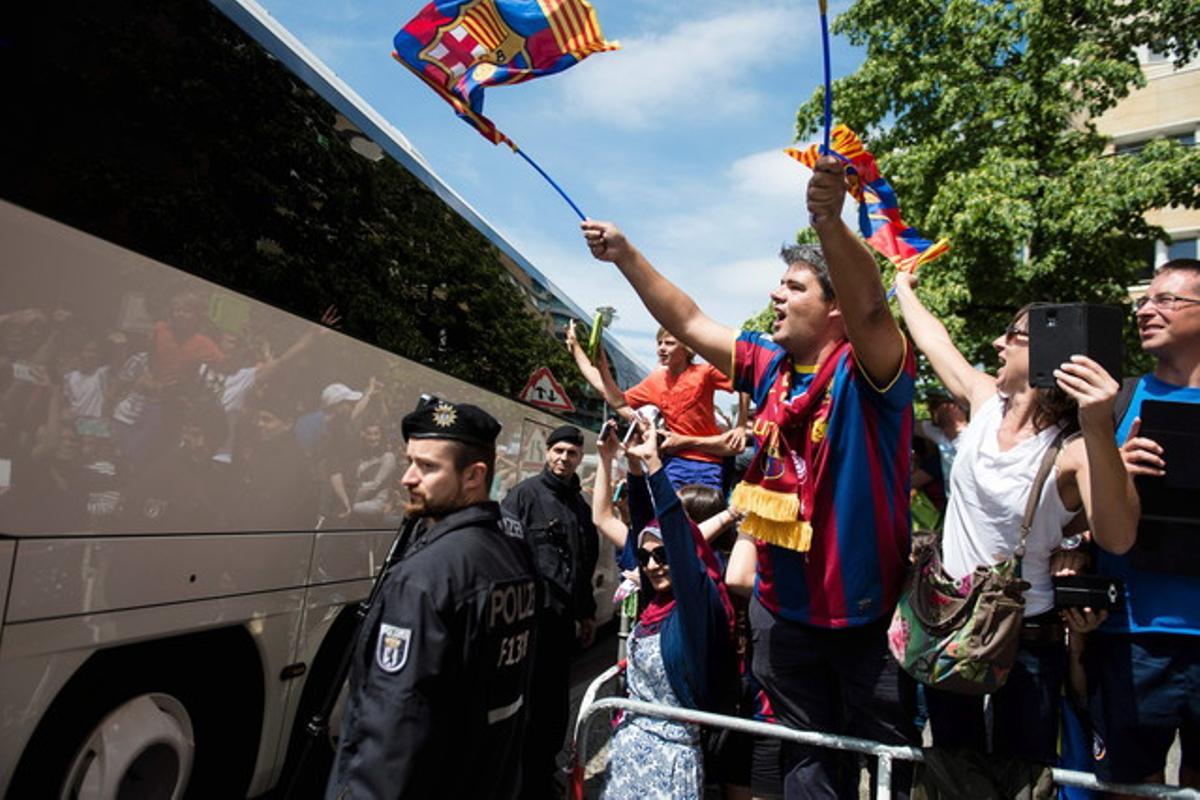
{"type": "Point", "coordinates": [878, 207]}
{"type": "Point", "coordinates": [460, 48]}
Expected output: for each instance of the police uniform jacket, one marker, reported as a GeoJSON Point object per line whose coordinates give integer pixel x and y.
{"type": "Point", "coordinates": [441, 671]}
{"type": "Point", "coordinates": [558, 525]}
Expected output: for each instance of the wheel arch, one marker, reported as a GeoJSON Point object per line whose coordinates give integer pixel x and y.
{"type": "Point", "coordinates": [218, 676]}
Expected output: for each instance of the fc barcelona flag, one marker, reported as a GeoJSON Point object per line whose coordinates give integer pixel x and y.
{"type": "Point", "coordinates": [878, 208]}
{"type": "Point", "coordinates": [460, 48]}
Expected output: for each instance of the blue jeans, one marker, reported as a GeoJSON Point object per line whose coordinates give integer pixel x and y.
{"type": "Point", "coordinates": [1143, 687]}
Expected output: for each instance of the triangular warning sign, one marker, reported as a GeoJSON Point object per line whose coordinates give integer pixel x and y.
{"type": "Point", "coordinates": [544, 391]}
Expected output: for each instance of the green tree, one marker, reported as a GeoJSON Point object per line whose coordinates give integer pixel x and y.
{"type": "Point", "coordinates": [193, 146]}
{"type": "Point", "coordinates": [980, 114]}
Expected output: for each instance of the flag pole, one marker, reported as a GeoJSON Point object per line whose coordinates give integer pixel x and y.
{"type": "Point", "coordinates": [549, 180]}
{"type": "Point", "coordinates": [828, 78]}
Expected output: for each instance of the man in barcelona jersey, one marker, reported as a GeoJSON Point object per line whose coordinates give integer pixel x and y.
{"type": "Point", "coordinates": [826, 498]}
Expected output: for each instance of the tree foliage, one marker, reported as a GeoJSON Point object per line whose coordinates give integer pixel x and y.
{"type": "Point", "coordinates": [981, 115]}
{"type": "Point", "coordinates": [165, 129]}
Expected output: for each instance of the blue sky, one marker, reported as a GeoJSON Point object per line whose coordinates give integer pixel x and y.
{"type": "Point", "coordinates": [677, 138]}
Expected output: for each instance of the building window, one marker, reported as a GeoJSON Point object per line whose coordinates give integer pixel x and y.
{"type": "Point", "coordinates": [1182, 247]}
{"type": "Point", "coordinates": [1187, 139]}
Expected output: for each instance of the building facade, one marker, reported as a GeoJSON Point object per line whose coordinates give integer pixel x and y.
{"type": "Point", "coordinates": [1168, 106]}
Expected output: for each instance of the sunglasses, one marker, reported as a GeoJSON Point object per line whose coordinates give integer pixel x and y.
{"type": "Point", "coordinates": [659, 554]}
{"type": "Point", "coordinates": [1013, 332]}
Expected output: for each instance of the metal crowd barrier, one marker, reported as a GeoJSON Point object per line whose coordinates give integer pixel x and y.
{"type": "Point", "coordinates": [886, 754]}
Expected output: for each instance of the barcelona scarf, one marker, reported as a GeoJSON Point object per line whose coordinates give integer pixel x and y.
{"type": "Point", "coordinates": [460, 48]}
{"type": "Point", "coordinates": [878, 207]}
{"type": "Point", "coordinates": [778, 489]}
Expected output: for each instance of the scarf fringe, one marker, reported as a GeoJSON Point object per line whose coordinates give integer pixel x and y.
{"type": "Point", "coordinates": [771, 517]}
{"type": "Point", "coordinates": [795, 535]}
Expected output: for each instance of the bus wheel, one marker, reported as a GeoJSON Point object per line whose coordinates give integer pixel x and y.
{"type": "Point", "coordinates": [143, 748]}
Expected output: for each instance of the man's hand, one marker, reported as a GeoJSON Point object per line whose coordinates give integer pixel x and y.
{"type": "Point", "coordinates": [587, 632]}
{"type": "Point", "coordinates": [905, 280]}
{"type": "Point", "coordinates": [827, 192]}
{"type": "Point", "coordinates": [1142, 456]}
{"type": "Point", "coordinates": [606, 241]}
{"type": "Point", "coordinates": [1090, 385]}
{"type": "Point", "coordinates": [735, 439]}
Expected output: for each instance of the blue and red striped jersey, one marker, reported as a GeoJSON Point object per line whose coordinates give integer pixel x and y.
{"type": "Point", "coordinates": [852, 573]}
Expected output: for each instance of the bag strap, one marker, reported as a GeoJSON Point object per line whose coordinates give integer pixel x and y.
{"type": "Point", "coordinates": [1035, 493]}
{"type": "Point", "coordinates": [1124, 399]}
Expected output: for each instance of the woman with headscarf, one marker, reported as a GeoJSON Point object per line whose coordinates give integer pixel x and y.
{"type": "Point", "coordinates": [680, 652]}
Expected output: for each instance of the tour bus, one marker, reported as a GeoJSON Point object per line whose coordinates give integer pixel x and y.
{"type": "Point", "coordinates": [197, 485]}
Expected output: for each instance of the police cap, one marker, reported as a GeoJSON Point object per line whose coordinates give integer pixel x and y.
{"type": "Point", "coordinates": [440, 419]}
{"type": "Point", "coordinates": [565, 433]}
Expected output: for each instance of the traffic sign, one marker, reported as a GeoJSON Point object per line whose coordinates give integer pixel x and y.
{"type": "Point", "coordinates": [543, 391]}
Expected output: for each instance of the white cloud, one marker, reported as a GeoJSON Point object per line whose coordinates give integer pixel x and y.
{"type": "Point", "coordinates": [719, 244]}
{"type": "Point", "coordinates": [697, 69]}
{"type": "Point", "coordinates": [717, 238]}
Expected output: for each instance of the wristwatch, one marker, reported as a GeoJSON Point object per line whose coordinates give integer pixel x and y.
{"type": "Point", "coordinates": [1070, 542]}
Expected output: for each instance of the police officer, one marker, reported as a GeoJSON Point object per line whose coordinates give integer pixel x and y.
{"type": "Point", "coordinates": [441, 674]}
{"type": "Point", "coordinates": [558, 524]}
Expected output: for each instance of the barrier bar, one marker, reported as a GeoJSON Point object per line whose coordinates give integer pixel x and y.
{"type": "Point", "coordinates": [885, 754]}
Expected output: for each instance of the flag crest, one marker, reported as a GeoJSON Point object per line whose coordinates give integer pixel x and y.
{"type": "Point", "coordinates": [878, 207]}
{"type": "Point", "coordinates": [460, 48]}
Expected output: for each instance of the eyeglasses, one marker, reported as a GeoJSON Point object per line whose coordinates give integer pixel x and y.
{"type": "Point", "coordinates": [1013, 332]}
{"type": "Point", "coordinates": [659, 554]}
{"type": "Point", "coordinates": [1164, 301]}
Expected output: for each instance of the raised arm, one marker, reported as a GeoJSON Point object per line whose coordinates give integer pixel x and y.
{"type": "Point", "coordinates": [329, 321]}
{"type": "Point", "coordinates": [876, 338]}
{"type": "Point", "coordinates": [739, 574]}
{"type": "Point", "coordinates": [665, 301]}
{"type": "Point", "coordinates": [604, 516]}
{"type": "Point", "coordinates": [597, 375]}
{"type": "Point", "coordinates": [694, 576]}
{"type": "Point", "coordinates": [962, 380]}
{"type": "Point", "coordinates": [717, 524]}
{"type": "Point", "coordinates": [1105, 488]}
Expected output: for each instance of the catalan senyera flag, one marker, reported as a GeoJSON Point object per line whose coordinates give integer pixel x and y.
{"type": "Point", "coordinates": [878, 207]}
{"type": "Point", "coordinates": [460, 48]}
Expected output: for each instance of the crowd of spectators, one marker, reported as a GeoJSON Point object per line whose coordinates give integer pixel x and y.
{"type": "Point", "coordinates": [823, 512]}
{"type": "Point", "coordinates": [188, 421]}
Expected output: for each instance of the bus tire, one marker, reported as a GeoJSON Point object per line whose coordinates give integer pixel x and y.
{"type": "Point", "coordinates": [143, 748]}
{"type": "Point", "coordinates": [175, 730]}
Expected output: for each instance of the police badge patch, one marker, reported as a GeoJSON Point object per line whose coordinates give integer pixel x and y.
{"type": "Point", "coordinates": [391, 649]}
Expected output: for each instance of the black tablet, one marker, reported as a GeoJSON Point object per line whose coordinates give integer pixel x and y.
{"type": "Point", "coordinates": [1169, 531]}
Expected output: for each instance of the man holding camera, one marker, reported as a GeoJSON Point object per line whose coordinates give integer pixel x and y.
{"type": "Point", "coordinates": [558, 525]}
{"type": "Point", "coordinates": [827, 495]}
{"type": "Point", "coordinates": [1144, 664]}
{"type": "Point", "coordinates": [444, 660]}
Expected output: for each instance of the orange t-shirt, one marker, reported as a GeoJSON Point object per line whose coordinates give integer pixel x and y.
{"type": "Point", "coordinates": [685, 400]}
{"type": "Point", "coordinates": [172, 358]}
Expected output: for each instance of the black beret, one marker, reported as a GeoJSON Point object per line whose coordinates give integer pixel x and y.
{"type": "Point", "coordinates": [444, 420]}
{"type": "Point", "coordinates": [565, 433]}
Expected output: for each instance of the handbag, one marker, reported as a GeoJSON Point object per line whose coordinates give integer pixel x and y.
{"type": "Point", "coordinates": [962, 635]}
